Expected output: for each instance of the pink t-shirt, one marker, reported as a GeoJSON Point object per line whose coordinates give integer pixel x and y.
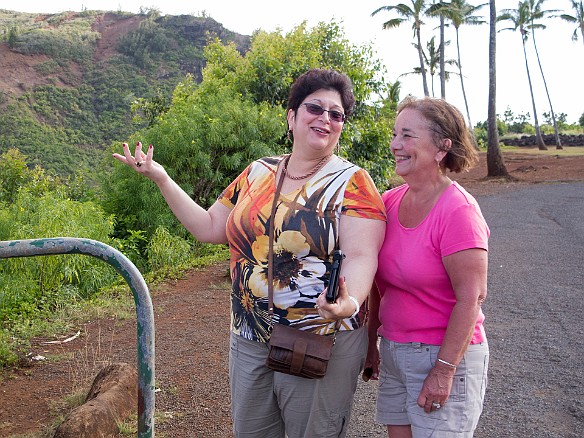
{"type": "Point", "coordinates": [416, 294]}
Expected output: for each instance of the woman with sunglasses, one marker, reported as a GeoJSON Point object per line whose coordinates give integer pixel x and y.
{"type": "Point", "coordinates": [325, 203]}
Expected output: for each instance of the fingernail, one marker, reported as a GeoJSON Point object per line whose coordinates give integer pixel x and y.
{"type": "Point", "coordinates": [125, 145]}
{"type": "Point", "coordinates": [150, 147]}
{"type": "Point", "coordinates": [138, 144]}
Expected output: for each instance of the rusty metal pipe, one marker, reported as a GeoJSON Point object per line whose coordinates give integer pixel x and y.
{"type": "Point", "coordinates": [144, 311]}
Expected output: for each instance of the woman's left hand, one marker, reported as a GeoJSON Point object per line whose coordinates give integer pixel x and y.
{"type": "Point", "coordinates": [342, 308]}
{"type": "Point", "coordinates": [436, 389]}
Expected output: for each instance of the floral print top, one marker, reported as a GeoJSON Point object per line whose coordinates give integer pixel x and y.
{"type": "Point", "coordinates": [306, 234]}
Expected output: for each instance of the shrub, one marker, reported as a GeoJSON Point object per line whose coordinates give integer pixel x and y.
{"type": "Point", "coordinates": [166, 250]}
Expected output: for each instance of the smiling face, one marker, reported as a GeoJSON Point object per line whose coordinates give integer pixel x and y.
{"type": "Point", "coordinates": [317, 134]}
{"type": "Point", "coordinates": [414, 147]}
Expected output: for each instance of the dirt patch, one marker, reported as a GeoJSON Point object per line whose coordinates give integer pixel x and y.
{"type": "Point", "coordinates": [524, 168]}
{"type": "Point", "coordinates": [192, 323]}
{"type": "Point", "coordinates": [111, 27]}
{"type": "Point", "coordinates": [19, 71]}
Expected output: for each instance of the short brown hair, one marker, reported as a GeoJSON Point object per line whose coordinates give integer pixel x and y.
{"type": "Point", "coordinates": [446, 122]}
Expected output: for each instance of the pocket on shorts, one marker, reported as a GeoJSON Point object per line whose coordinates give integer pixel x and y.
{"type": "Point", "coordinates": [471, 371]}
{"type": "Point", "coordinates": [458, 391]}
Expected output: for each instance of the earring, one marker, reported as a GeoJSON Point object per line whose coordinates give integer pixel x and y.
{"type": "Point", "coordinates": [289, 136]}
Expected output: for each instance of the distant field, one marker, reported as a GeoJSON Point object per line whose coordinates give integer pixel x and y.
{"type": "Point", "coordinates": [568, 151]}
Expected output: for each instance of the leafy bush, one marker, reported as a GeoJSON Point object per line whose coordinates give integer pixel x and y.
{"type": "Point", "coordinates": [204, 141]}
{"type": "Point", "coordinates": [13, 173]}
{"type": "Point", "coordinates": [61, 37]}
{"type": "Point", "coordinates": [36, 205]}
{"type": "Point", "coordinates": [141, 43]}
{"type": "Point", "coordinates": [7, 353]}
{"type": "Point", "coordinates": [166, 250]}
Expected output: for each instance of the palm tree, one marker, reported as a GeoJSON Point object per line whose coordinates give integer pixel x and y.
{"type": "Point", "coordinates": [442, 57]}
{"type": "Point", "coordinates": [393, 92]}
{"type": "Point", "coordinates": [432, 60]}
{"type": "Point", "coordinates": [578, 18]}
{"type": "Point", "coordinates": [459, 12]}
{"type": "Point", "coordinates": [537, 13]}
{"type": "Point", "coordinates": [495, 164]}
{"type": "Point", "coordinates": [520, 18]}
{"type": "Point", "coordinates": [408, 13]}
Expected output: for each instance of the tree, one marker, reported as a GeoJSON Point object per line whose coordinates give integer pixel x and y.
{"type": "Point", "coordinates": [577, 18]}
{"type": "Point", "coordinates": [13, 173]}
{"type": "Point", "coordinates": [12, 37]}
{"type": "Point", "coordinates": [459, 12]}
{"type": "Point", "coordinates": [236, 114]}
{"type": "Point", "coordinates": [414, 14]}
{"type": "Point", "coordinates": [495, 164]}
{"type": "Point", "coordinates": [520, 18]}
{"type": "Point", "coordinates": [432, 60]}
{"type": "Point", "coordinates": [537, 13]}
{"type": "Point", "coordinates": [442, 57]}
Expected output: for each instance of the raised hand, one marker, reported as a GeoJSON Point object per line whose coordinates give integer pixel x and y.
{"type": "Point", "coordinates": [142, 162]}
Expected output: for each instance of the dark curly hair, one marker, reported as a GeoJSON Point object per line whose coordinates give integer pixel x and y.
{"type": "Point", "coordinates": [317, 79]}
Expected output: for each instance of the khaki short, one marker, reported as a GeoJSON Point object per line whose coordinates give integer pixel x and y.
{"type": "Point", "coordinates": [268, 404]}
{"type": "Point", "coordinates": [403, 370]}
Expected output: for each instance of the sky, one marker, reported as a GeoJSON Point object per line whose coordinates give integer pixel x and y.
{"type": "Point", "coordinates": [562, 59]}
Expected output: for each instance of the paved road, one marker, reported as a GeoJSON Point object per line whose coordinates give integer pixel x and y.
{"type": "Point", "coordinates": [534, 316]}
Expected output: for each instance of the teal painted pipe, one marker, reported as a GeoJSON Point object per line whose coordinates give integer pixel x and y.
{"type": "Point", "coordinates": [144, 311]}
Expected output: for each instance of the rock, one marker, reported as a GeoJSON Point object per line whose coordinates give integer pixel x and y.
{"type": "Point", "coordinates": [112, 398]}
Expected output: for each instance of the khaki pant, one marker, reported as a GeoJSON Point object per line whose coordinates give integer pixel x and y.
{"type": "Point", "coordinates": [269, 404]}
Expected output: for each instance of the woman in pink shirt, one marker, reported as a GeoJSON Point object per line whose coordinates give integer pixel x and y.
{"type": "Point", "coordinates": [433, 355]}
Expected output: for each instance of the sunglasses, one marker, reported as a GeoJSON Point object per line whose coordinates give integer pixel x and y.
{"type": "Point", "coordinates": [317, 110]}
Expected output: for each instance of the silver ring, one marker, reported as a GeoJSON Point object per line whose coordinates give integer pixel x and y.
{"type": "Point", "coordinates": [316, 306]}
{"type": "Point", "coordinates": [138, 163]}
{"type": "Point", "coordinates": [436, 405]}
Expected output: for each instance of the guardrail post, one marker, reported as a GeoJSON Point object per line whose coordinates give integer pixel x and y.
{"type": "Point", "coordinates": [144, 312]}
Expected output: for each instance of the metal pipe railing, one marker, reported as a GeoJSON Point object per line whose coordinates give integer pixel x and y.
{"type": "Point", "coordinates": [144, 311]}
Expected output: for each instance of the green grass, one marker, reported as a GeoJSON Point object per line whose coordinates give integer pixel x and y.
{"type": "Point", "coordinates": [568, 151]}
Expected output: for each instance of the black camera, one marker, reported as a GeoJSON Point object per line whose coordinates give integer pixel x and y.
{"type": "Point", "coordinates": [333, 287]}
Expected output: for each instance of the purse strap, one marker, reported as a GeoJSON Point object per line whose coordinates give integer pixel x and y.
{"type": "Point", "coordinates": [271, 228]}
{"type": "Point", "coordinates": [271, 243]}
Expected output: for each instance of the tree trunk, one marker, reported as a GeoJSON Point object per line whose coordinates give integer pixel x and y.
{"type": "Point", "coordinates": [470, 126]}
{"type": "Point", "coordinates": [556, 133]}
{"type": "Point", "coordinates": [442, 60]}
{"type": "Point", "coordinates": [538, 138]}
{"type": "Point", "coordinates": [495, 163]}
{"type": "Point", "coordinates": [422, 64]}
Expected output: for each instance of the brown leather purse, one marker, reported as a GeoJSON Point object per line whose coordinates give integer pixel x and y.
{"type": "Point", "coordinates": [292, 351]}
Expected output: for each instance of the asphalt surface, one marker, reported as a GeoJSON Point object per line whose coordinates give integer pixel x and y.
{"type": "Point", "coordinates": [534, 312]}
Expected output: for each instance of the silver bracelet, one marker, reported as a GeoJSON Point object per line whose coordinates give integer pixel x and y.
{"type": "Point", "coordinates": [357, 306]}
{"type": "Point", "coordinates": [451, 365]}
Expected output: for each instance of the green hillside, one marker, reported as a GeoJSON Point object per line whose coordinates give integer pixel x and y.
{"type": "Point", "coordinates": [68, 80]}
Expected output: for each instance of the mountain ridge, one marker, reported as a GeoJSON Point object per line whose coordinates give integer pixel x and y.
{"type": "Point", "coordinates": [68, 79]}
